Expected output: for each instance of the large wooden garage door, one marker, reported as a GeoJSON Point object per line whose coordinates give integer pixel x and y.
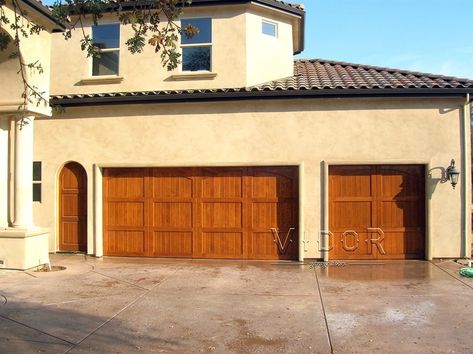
{"type": "Point", "coordinates": [377, 212]}
{"type": "Point", "coordinates": [201, 212]}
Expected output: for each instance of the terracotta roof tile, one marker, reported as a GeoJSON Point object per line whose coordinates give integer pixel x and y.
{"type": "Point", "coordinates": [321, 76]}
{"type": "Point", "coordinates": [318, 74]}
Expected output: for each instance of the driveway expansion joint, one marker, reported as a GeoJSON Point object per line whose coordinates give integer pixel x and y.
{"type": "Point", "coordinates": [451, 275]}
{"type": "Point", "coordinates": [329, 336]}
{"type": "Point", "coordinates": [140, 296]}
{"type": "Point", "coordinates": [119, 280]}
{"type": "Point", "coordinates": [36, 329]}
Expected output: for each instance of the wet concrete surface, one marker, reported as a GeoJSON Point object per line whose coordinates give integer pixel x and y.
{"type": "Point", "coordinates": [127, 305]}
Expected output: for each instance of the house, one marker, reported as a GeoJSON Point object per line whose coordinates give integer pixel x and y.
{"type": "Point", "coordinates": [241, 152]}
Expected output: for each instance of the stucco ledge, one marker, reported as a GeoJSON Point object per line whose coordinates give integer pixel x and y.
{"type": "Point", "coordinates": [23, 248]}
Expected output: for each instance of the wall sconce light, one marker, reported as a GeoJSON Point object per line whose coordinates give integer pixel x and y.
{"type": "Point", "coordinates": [453, 173]}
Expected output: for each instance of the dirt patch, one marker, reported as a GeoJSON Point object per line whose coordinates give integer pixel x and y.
{"type": "Point", "coordinates": [46, 268]}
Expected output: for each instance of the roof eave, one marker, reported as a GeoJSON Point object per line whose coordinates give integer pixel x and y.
{"type": "Point", "coordinates": [254, 95]}
{"type": "Point", "coordinates": [46, 13]}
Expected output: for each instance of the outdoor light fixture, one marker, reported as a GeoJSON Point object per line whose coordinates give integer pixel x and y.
{"type": "Point", "coordinates": [453, 173]}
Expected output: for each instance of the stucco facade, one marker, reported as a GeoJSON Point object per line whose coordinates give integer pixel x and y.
{"type": "Point", "coordinates": [22, 243]}
{"type": "Point", "coordinates": [255, 107]}
{"type": "Point", "coordinates": [308, 133]}
{"type": "Point", "coordinates": [240, 55]}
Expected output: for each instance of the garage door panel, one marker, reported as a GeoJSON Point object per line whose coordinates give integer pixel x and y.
{"type": "Point", "coordinates": [171, 244]}
{"type": "Point", "coordinates": [267, 185]}
{"type": "Point", "coordinates": [402, 214]}
{"type": "Point", "coordinates": [350, 182]}
{"type": "Point", "coordinates": [124, 183]}
{"type": "Point", "coordinates": [228, 215]}
{"type": "Point", "coordinates": [168, 214]}
{"type": "Point", "coordinates": [350, 215]}
{"type": "Point", "coordinates": [403, 244]}
{"type": "Point", "coordinates": [352, 243]}
{"type": "Point", "coordinates": [270, 215]}
{"type": "Point", "coordinates": [130, 243]}
{"type": "Point", "coordinates": [264, 247]}
{"type": "Point", "coordinates": [125, 214]}
{"type": "Point", "coordinates": [401, 185]}
{"type": "Point", "coordinates": [262, 244]}
{"type": "Point", "coordinates": [228, 185]}
{"type": "Point", "coordinates": [169, 185]}
{"type": "Point", "coordinates": [222, 244]}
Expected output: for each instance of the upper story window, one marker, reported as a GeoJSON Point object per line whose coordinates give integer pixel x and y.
{"type": "Point", "coordinates": [197, 51]}
{"type": "Point", "coordinates": [107, 39]}
{"type": "Point", "coordinates": [269, 28]}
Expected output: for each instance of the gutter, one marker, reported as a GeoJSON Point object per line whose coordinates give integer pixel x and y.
{"type": "Point", "coordinates": [243, 95]}
{"type": "Point", "coordinates": [271, 3]}
{"type": "Point", "coordinates": [302, 35]}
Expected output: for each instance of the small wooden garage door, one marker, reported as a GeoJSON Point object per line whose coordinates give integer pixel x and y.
{"type": "Point", "coordinates": [377, 212]}
{"type": "Point", "coordinates": [201, 212]}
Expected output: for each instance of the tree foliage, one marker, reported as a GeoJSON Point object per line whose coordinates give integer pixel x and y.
{"type": "Point", "coordinates": [153, 23]}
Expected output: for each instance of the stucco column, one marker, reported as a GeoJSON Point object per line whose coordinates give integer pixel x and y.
{"type": "Point", "coordinates": [4, 128]}
{"type": "Point", "coordinates": [24, 173]}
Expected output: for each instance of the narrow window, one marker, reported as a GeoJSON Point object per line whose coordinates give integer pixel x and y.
{"type": "Point", "coordinates": [37, 177]}
{"type": "Point", "coordinates": [107, 39]}
{"type": "Point", "coordinates": [269, 28]}
{"type": "Point", "coordinates": [197, 50]}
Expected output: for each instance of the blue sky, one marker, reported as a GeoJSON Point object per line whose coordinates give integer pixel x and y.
{"type": "Point", "coordinates": [433, 36]}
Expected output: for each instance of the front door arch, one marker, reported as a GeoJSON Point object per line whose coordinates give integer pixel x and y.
{"type": "Point", "coordinates": [73, 208]}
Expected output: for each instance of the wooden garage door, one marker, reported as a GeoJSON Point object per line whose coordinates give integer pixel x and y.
{"type": "Point", "coordinates": [201, 212]}
{"type": "Point", "coordinates": [377, 212]}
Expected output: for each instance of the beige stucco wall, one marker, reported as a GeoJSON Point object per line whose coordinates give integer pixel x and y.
{"type": "Point", "coordinates": [34, 48]}
{"type": "Point", "coordinates": [286, 132]}
{"type": "Point", "coordinates": [268, 58]}
{"type": "Point", "coordinates": [241, 56]}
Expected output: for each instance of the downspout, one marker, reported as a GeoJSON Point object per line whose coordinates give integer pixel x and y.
{"type": "Point", "coordinates": [466, 178]}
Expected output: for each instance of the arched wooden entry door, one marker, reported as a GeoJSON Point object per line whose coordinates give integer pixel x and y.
{"type": "Point", "coordinates": [73, 208]}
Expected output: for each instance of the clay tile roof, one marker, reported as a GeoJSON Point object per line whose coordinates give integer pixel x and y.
{"type": "Point", "coordinates": [319, 74]}
{"type": "Point", "coordinates": [296, 6]}
{"type": "Point", "coordinates": [312, 77]}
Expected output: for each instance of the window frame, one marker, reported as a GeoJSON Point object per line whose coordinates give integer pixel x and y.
{"type": "Point", "coordinates": [37, 181]}
{"type": "Point", "coordinates": [197, 45]}
{"type": "Point", "coordinates": [106, 50]}
{"type": "Point", "coordinates": [276, 28]}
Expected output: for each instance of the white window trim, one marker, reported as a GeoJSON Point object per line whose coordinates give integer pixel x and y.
{"type": "Point", "coordinates": [91, 61]}
{"type": "Point", "coordinates": [276, 28]}
{"type": "Point", "coordinates": [203, 44]}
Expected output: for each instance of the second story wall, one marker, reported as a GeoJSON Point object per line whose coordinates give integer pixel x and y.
{"type": "Point", "coordinates": [269, 54]}
{"type": "Point", "coordinates": [72, 70]}
{"type": "Point", "coordinates": [241, 55]}
{"type": "Point", "coordinates": [35, 48]}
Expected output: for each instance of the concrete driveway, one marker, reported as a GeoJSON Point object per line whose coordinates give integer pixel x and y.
{"type": "Point", "coordinates": [171, 306]}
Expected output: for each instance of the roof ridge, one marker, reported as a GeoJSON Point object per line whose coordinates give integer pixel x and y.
{"type": "Point", "coordinates": [383, 68]}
